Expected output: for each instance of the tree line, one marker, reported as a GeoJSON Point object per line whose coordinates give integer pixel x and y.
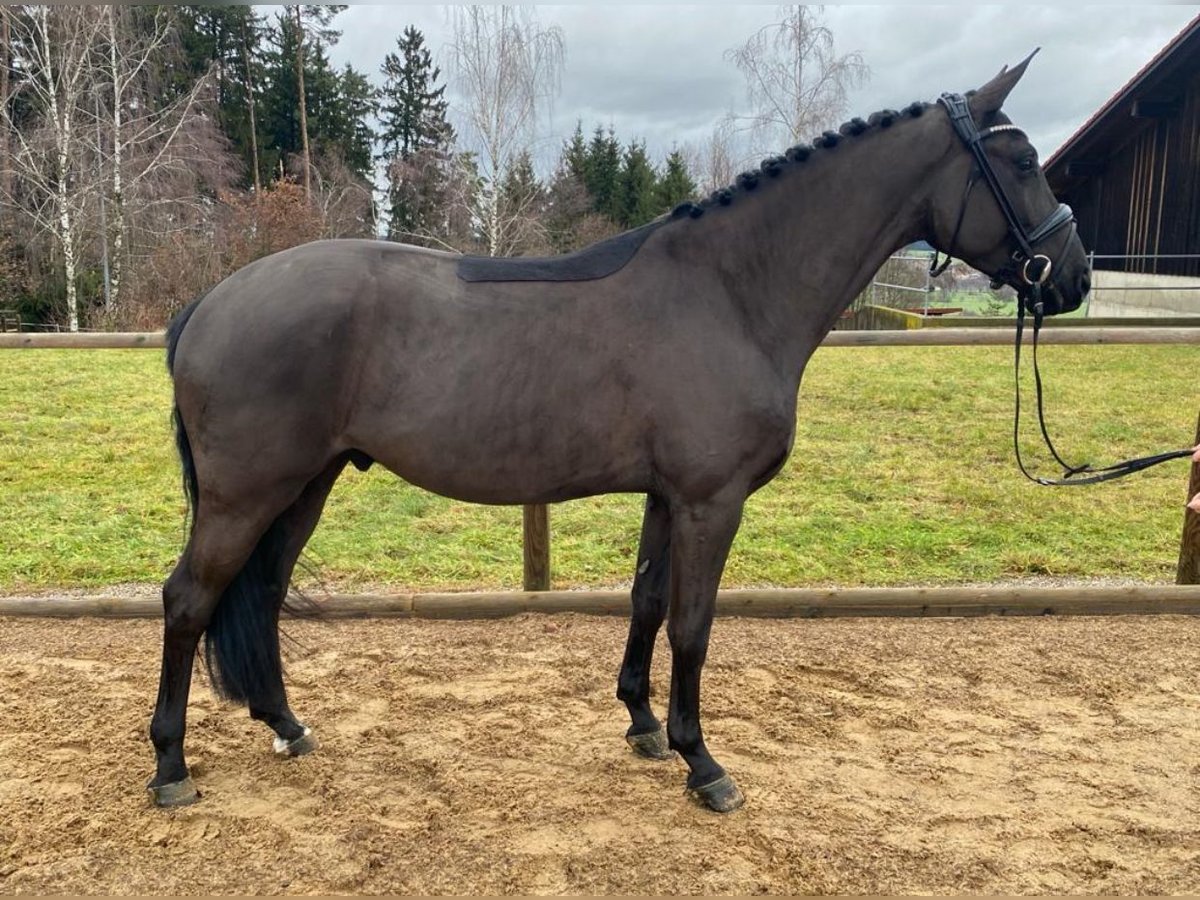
{"type": "Point", "coordinates": [148, 151]}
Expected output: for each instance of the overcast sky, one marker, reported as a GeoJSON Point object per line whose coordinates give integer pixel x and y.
{"type": "Point", "coordinates": [658, 72]}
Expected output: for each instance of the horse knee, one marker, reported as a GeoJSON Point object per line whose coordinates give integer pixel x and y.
{"type": "Point", "coordinates": [689, 648]}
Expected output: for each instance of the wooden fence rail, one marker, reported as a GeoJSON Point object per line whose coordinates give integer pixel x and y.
{"type": "Point", "coordinates": [811, 603]}
{"type": "Point", "coordinates": [917, 337]}
{"type": "Point", "coordinates": [536, 530]}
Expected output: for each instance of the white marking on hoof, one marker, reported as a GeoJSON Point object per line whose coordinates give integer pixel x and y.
{"type": "Point", "coordinates": [284, 747]}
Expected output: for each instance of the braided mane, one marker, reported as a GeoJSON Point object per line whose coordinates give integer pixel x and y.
{"type": "Point", "coordinates": [774, 166]}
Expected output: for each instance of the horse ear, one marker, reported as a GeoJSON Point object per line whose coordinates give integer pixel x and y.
{"type": "Point", "coordinates": [990, 97]}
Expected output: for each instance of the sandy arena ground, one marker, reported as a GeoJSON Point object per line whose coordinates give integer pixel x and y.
{"type": "Point", "coordinates": [1023, 755]}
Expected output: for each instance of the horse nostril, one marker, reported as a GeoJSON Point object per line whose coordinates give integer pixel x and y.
{"type": "Point", "coordinates": [1085, 284]}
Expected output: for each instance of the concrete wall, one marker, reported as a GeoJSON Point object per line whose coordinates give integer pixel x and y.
{"type": "Point", "coordinates": [1170, 296]}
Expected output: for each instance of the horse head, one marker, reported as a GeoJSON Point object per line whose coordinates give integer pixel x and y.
{"type": "Point", "coordinates": [993, 207]}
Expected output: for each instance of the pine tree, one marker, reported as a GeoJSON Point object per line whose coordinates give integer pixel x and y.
{"type": "Point", "coordinates": [602, 173]}
{"type": "Point", "coordinates": [575, 154]}
{"type": "Point", "coordinates": [416, 141]}
{"type": "Point", "coordinates": [638, 188]}
{"type": "Point", "coordinates": [413, 110]}
{"type": "Point", "coordinates": [280, 122]}
{"type": "Point", "coordinates": [676, 184]}
{"type": "Point", "coordinates": [522, 204]}
{"type": "Point", "coordinates": [338, 106]}
{"type": "Point", "coordinates": [229, 37]}
{"type": "Point", "coordinates": [567, 200]}
{"type": "Point", "coordinates": [344, 126]}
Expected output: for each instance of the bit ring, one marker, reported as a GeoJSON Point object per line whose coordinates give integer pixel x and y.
{"type": "Point", "coordinates": [1043, 275]}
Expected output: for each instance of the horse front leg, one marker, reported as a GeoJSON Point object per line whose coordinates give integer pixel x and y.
{"type": "Point", "coordinates": [701, 535]}
{"type": "Point", "coordinates": [650, 586]}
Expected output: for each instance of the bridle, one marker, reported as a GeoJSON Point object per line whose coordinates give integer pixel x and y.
{"type": "Point", "coordinates": [1018, 272]}
{"type": "Point", "coordinates": [1027, 271]}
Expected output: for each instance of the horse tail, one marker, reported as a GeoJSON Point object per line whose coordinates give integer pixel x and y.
{"type": "Point", "coordinates": [241, 641]}
{"type": "Point", "coordinates": [191, 487]}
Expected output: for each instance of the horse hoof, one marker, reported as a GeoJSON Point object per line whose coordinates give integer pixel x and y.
{"type": "Point", "coordinates": [306, 743]}
{"type": "Point", "coordinates": [177, 793]}
{"type": "Point", "coordinates": [650, 745]}
{"type": "Point", "coordinates": [721, 795]}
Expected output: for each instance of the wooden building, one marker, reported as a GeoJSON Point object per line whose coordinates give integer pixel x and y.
{"type": "Point", "coordinates": [1132, 171]}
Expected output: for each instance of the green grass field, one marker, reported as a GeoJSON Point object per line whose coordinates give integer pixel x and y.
{"type": "Point", "coordinates": [901, 474]}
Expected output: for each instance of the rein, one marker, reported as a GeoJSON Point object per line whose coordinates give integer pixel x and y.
{"type": "Point", "coordinates": [1029, 297]}
{"type": "Point", "coordinates": [1072, 475]}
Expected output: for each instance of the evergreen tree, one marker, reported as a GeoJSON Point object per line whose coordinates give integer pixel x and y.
{"type": "Point", "coordinates": [338, 105]}
{"type": "Point", "coordinates": [311, 23]}
{"type": "Point", "coordinates": [281, 100]}
{"type": "Point", "coordinates": [522, 204]}
{"type": "Point", "coordinates": [676, 184]}
{"type": "Point", "coordinates": [602, 173]}
{"type": "Point", "coordinates": [341, 124]}
{"type": "Point", "coordinates": [638, 188]}
{"type": "Point", "coordinates": [574, 158]}
{"type": "Point", "coordinates": [413, 109]}
{"type": "Point", "coordinates": [229, 38]}
{"type": "Point", "coordinates": [567, 200]}
{"type": "Point", "coordinates": [521, 188]}
{"type": "Point", "coordinates": [416, 140]}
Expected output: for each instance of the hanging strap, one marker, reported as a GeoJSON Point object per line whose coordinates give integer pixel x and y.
{"type": "Point", "coordinates": [1072, 475]}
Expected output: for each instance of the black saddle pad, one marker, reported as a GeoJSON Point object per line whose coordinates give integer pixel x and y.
{"type": "Point", "coordinates": [597, 261]}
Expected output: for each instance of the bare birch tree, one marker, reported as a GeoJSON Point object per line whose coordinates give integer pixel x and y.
{"type": "Point", "coordinates": [52, 181]}
{"type": "Point", "coordinates": [713, 160]}
{"type": "Point", "coordinates": [507, 69]}
{"type": "Point", "coordinates": [144, 137]}
{"type": "Point", "coordinates": [5, 68]}
{"type": "Point", "coordinates": [796, 85]}
{"type": "Point", "coordinates": [343, 204]}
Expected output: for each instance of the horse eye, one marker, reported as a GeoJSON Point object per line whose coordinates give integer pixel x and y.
{"type": "Point", "coordinates": [1027, 164]}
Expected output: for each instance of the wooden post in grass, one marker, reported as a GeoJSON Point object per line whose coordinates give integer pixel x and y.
{"type": "Point", "coordinates": [537, 547]}
{"type": "Point", "coordinates": [1189, 548]}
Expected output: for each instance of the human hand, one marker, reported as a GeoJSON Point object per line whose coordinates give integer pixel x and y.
{"type": "Point", "coordinates": [1194, 503]}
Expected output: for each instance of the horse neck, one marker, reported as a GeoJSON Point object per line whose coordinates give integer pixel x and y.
{"type": "Point", "coordinates": [794, 252]}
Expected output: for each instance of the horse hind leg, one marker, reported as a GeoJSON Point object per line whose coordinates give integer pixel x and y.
{"type": "Point", "coordinates": [219, 546]}
{"type": "Point", "coordinates": [650, 594]}
{"type": "Point", "coordinates": [285, 540]}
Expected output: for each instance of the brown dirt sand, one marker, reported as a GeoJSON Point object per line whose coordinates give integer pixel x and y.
{"type": "Point", "coordinates": [1027, 755]}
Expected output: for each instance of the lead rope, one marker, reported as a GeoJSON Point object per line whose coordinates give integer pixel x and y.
{"type": "Point", "coordinates": [1091, 475]}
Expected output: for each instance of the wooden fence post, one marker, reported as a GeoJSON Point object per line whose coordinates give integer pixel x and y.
{"type": "Point", "coordinates": [1189, 548]}
{"type": "Point", "coordinates": [537, 547]}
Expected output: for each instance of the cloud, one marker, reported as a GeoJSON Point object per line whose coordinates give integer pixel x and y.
{"type": "Point", "coordinates": [658, 73]}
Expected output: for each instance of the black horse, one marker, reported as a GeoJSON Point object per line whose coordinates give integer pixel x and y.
{"type": "Point", "coordinates": [665, 361]}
